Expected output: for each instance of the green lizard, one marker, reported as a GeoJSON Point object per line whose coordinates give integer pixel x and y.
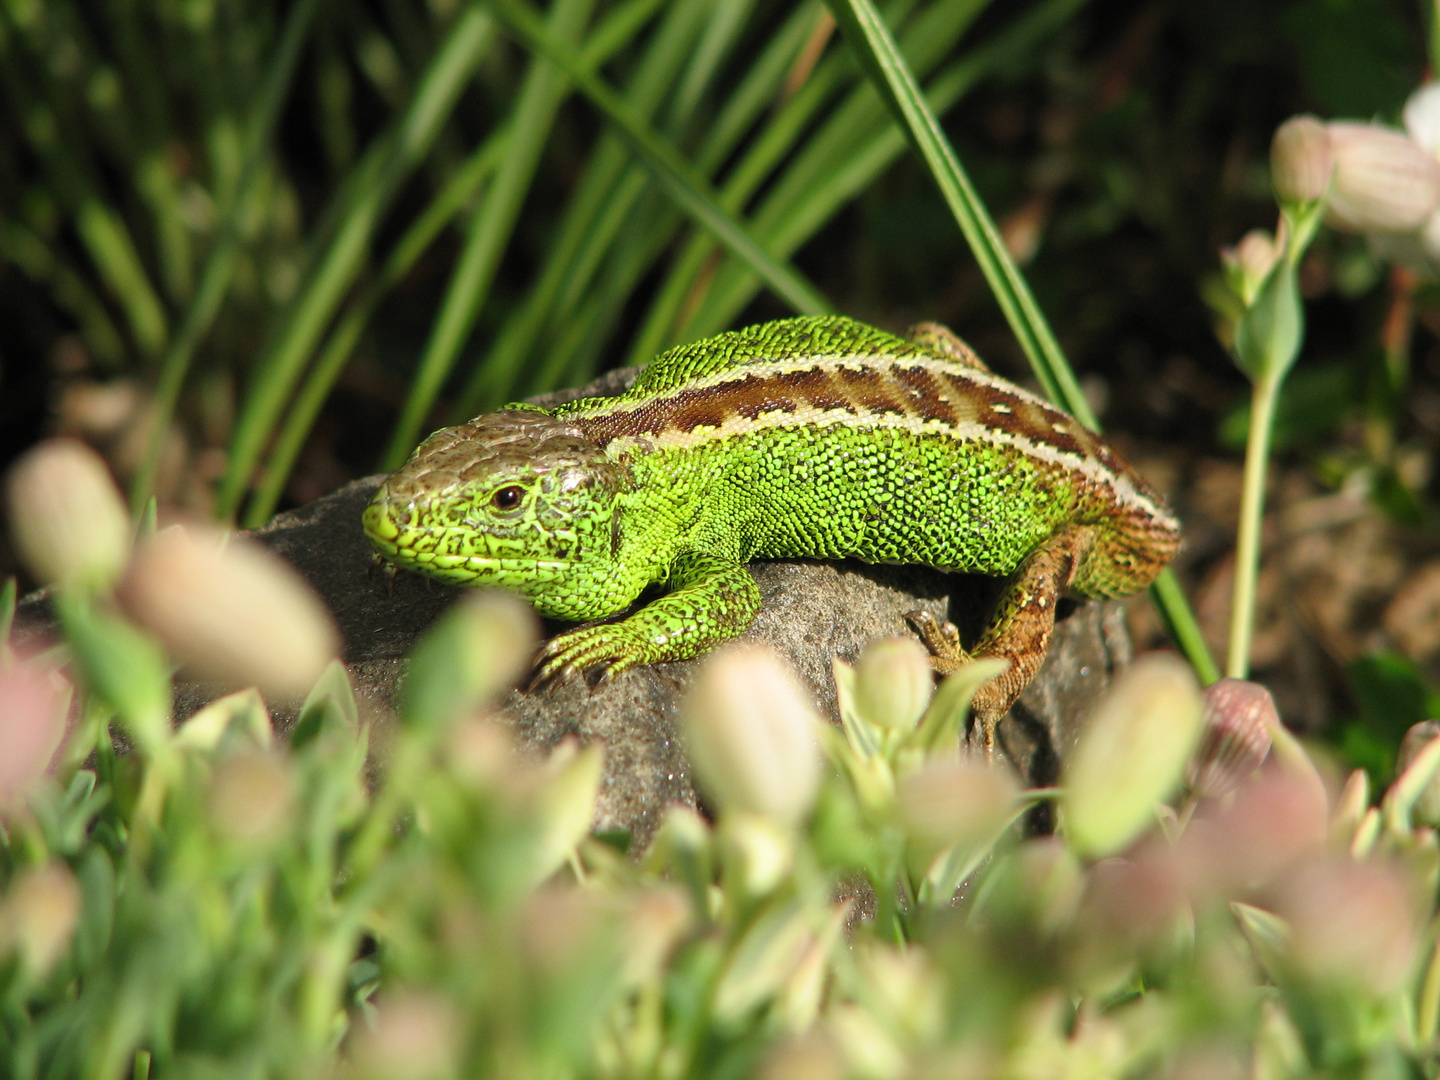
{"type": "Point", "coordinates": [811, 437]}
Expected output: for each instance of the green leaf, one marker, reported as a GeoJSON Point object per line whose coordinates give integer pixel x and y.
{"type": "Point", "coordinates": [7, 612]}
{"type": "Point", "coordinates": [1268, 339]}
{"type": "Point", "coordinates": [470, 655]}
{"type": "Point", "coordinates": [939, 729]}
{"type": "Point", "coordinates": [124, 667]}
{"type": "Point", "coordinates": [332, 701]}
{"type": "Point", "coordinates": [1268, 935]}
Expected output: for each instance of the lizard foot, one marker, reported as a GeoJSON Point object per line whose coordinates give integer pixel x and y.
{"type": "Point", "coordinates": [989, 706]}
{"type": "Point", "coordinates": [607, 649]}
{"type": "Point", "coordinates": [941, 638]}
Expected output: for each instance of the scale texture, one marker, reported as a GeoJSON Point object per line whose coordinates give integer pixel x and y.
{"type": "Point", "coordinates": [812, 437]}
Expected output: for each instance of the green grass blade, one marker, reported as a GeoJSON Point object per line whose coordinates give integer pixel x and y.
{"type": "Point", "coordinates": [374, 186]}
{"type": "Point", "coordinates": [21, 246]}
{"type": "Point", "coordinates": [872, 41]}
{"type": "Point", "coordinates": [489, 233]}
{"type": "Point", "coordinates": [854, 145]}
{"type": "Point", "coordinates": [613, 34]}
{"type": "Point", "coordinates": [219, 265]}
{"type": "Point", "coordinates": [677, 177]}
{"type": "Point", "coordinates": [110, 246]}
{"type": "Point", "coordinates": [602, 202]}
{"type": "Point", "coordinates": [877, 51]}
{"type": "Point", "coordinates": [342, 340]}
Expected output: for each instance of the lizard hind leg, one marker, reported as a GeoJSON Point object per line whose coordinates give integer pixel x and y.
{"type": "Point", "coordinates": [943, 341]}
{"type": "Point", "coordinates": [1019, 629]}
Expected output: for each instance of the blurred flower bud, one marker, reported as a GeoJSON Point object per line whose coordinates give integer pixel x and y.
{"type": "Point", "coordinates": [1131, 754]}
{"type": "Point", "coordinates": [808, 1057]}
{"type": "Point", "coordinates": [1422, 116]}
{"type": "Point", "coordinates": [1236, 738]}
{"type": "Point", "coordinates": [894, 682]}
{"type": "Point", "coordinates": [656, 920]}
{"type": "Point", "coordinates": [904, 991]}
{"type": "Point", "coordinates": [1249, 262]}
{"type": "Point", "coordinates": [955, 803]}
{"type": "Point", "coordinates": [751, 732]}
{"type": "Point", "coordinates": [34, 703]}
{"type": "Point", "coordinates": [231, 611]}
{"type": "Point", "coordinates": [67, 518]}
{"type": "Point", "coordinates": [38, 915]}
{"type": "Point", "coordinates": [1355, 924]}
{"type": "Point", "coordinates": [251, 798]}
{"type": "Point", "coordinates": [472, 653]}
{"type": "Point", "coordinates": [1426, 808]}
{"type": "Point", "coordinates": [1037, 884]}
{"type": "Point", "coordinates": [564, 928]}
{"type": "Point", "coordinates": [1129, 905]}
{"type": "Point", "coordinates": [481, 751]}
{"type": "Point", "coordinates": [1273, 820]}
{"type": "Point", "coordinates": [1300, 160]}
{"type": "Point", "coordinates": [412, 1035]}
{"type": "Point", "coordinates": [757, 854]}
{"type": "Point", "coordinates": [1384, 181]}
{"type": "Point", "coordinates": [868, 1049]}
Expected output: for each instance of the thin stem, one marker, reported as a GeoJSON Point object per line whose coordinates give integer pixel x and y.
{"type": "Point", "coordinates": [1252, 508]}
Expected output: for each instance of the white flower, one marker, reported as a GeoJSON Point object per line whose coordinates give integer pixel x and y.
{"type": "Point", "coordinates": [1422, 116]}
{"type": "Point", "coordinates": [1384, 181]}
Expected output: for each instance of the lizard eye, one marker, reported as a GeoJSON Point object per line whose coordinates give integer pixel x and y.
{"type": "Point", "coordinates": [507, 498]}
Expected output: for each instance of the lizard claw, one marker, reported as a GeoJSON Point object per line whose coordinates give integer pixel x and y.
{"type": "Point", "coordinates": [597, 652]}
{"type": "Point", "coordinates": [941, 638]}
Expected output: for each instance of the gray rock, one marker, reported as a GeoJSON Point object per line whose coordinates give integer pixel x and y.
{"type": "Point", "coordinates": [813, 611]}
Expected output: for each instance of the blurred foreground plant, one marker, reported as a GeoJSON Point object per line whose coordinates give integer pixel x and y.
{"type": "Point", "coordinates": [212, 903]}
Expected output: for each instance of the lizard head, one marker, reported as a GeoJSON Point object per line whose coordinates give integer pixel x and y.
{"type": "Point", "coordinates": [515, 499]}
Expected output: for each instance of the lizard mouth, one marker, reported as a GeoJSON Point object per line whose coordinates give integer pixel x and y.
{"type": "Point", "coordinates": [424, 549]}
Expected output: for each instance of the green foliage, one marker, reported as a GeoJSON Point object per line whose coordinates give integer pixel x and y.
{"type": "Point", "coordinates": [217, 212]}
{"type": "Point", "coordinates": [222, 906]}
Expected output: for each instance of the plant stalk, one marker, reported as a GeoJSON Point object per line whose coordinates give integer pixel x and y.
{"type": "Point", "coordinates": [1252, 508]}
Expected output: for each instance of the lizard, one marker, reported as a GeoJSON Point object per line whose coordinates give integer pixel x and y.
{"type": "Point", "coordinates": [818, 437]}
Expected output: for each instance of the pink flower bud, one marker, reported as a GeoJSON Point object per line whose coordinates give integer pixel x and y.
{"type": "Point", "coordinates": [1384, 181]}
{"type": "Point", "coordinates": [1237, 722]}
{"type": "Point", "coordinates": [231, 611]}
{"type": "Point", "coordinates": [1301, 160]}
{"type": "Point", "coordinates": [38, 915]}
{"type": "Point", "coordinates": [1353, 924]}
{"type": "Point", "coordinates": [1422, 116]}
{"type": "Point", "coordinates": [34, 701]}
{"type": "Point", "coordinates": [412, 1033]}
{"type": "Point", "coordinates": [1248, 263]}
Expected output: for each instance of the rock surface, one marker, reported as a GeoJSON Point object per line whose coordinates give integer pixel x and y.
{"type": "Point", "coordinates": [812, 611]}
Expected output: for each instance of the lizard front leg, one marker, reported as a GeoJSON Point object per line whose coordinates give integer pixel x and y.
{"type": "Point", "coordinates": [710, 601]}
{"type": "Point", "coordinates": [1019, 631]}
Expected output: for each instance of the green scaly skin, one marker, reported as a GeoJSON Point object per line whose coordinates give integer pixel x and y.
{"type": "Point", "coordinates": [813, 437]}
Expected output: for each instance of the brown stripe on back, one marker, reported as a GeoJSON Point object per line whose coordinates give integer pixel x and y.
{"type": "Point", "coordinates": [964, 401]}
{"type": "Point", "coordinates": [870, 389]}
{"type": "Point", "coordinates": [686, 410]}
{"type": "Point", "coordinates": [815, 386]}
{"type": "Point", "coordinates": [922, 393]}
{"type": "Point", "coordinates": [1040, 424]}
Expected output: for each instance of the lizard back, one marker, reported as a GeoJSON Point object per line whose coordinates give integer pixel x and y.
{"type": "Point", "coordinates": [859, 443]}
